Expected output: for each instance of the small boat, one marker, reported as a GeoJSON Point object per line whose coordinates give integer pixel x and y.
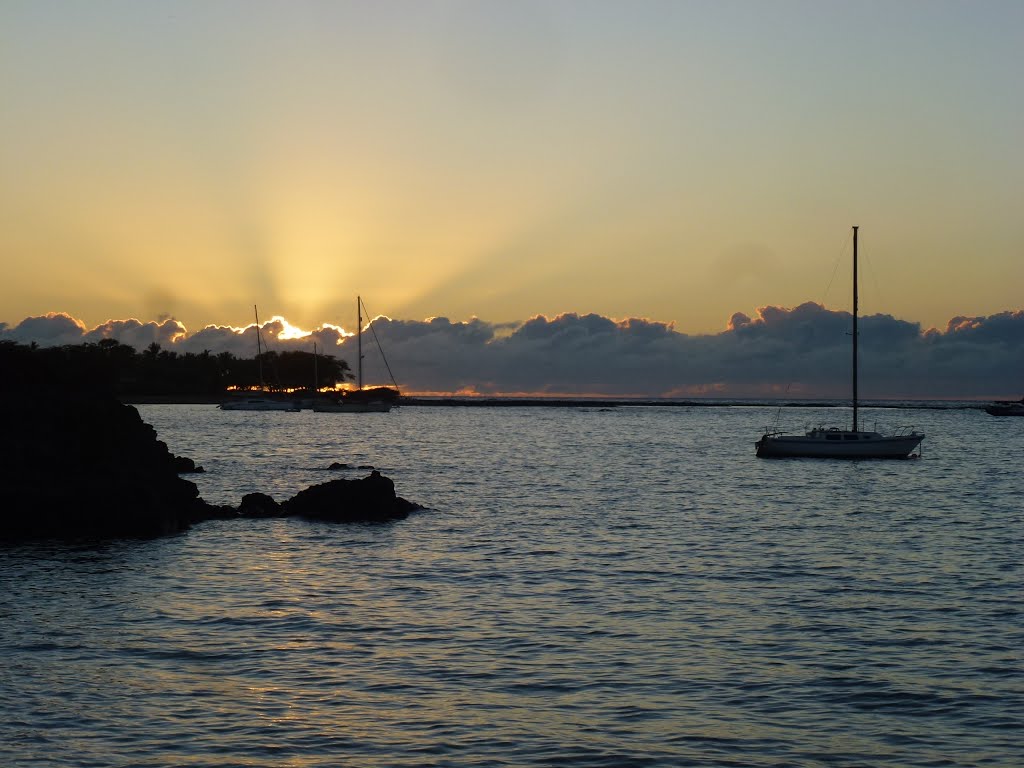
{"type": "Point", "coordinates": [260, 400]}
{"type": "Point", "coordinates": [835, 443]}
{"type": "Point", "coordinates": [361, 400]}
{"type": "Point", "coordinates": [1006, 408]}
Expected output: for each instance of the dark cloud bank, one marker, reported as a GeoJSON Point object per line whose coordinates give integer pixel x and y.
{"type": "Point", "coordinates": [799, 352]}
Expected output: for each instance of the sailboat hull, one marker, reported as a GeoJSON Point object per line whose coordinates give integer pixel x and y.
{"type": "Point", "coordinates": [834, 444]}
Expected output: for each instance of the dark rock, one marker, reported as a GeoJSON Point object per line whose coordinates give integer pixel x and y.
{"type": "Point", "coordinates": [184, 465]}
{"type": "Point", "coordinates": [78, 463]}
{"type": "Point", "coordinates": [339, 465]}
{"type": "Point", "coordinates": [87, 465]}
{"type": "Point", "coordinates": [259, 505]}
{"type": "Point", "coordinates": [365, 466]}
{"type": "Point", "coordinates": [370, 499]}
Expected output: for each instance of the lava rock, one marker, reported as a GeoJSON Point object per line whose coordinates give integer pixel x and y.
{"type": "Point", "coordinates": [370, 499]}
{"type": "Point", "coordinates": [76, 463]}
{"type": "Point", "coordinates": [87, 465]}
{"type": "Point", "coordinates": [259, 505]}
{"type": "Point", "coordinates": [184, 465]}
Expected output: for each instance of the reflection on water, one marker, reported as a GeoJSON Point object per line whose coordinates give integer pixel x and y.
{"type": "Point", "coordinates": [589, 588]}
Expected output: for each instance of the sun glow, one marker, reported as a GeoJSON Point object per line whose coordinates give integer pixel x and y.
{"type": "Point", "coordinates": [288, 331]}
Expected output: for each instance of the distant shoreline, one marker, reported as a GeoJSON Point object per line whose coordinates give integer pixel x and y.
{"type": "Point", "coordinates": [601, 402]}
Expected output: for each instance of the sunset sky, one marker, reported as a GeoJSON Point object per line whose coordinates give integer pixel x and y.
{"type": "Point", "coordinates": [674, 161]}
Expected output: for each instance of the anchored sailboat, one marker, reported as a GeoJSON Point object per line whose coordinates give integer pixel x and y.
{"type": "Point", "coordinates": [361, 400]}
{"type": "Point", "coordinates": [834, 443]}
{"type": "Point", "coordinates": [262, 401]}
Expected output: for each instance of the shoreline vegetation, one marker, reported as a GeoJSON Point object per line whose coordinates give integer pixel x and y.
{"type": "Point", "coordinates": [111, 366]}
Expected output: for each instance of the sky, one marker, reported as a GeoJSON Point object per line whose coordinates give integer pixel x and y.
{"type": "Point", "coordinates": [496, 164]}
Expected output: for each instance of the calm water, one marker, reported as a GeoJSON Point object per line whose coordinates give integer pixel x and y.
{"type": "Point", "coordinates": [589, 588]}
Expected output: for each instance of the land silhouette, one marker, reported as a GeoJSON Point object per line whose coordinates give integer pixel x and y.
{"type": "Point", "coordinates": [120, 369]}
{"type": "Point", "coordinates": [115, 368]}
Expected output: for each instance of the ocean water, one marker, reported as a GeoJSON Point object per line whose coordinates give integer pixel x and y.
{"type": "Point", "coordinates": [589, 587]}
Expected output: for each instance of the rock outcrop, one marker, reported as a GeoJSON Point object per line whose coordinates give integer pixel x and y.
{"type": "Point", "coordinates": [369, 499]}
{"type": "Point", "coordinates": [79, 463]}
{"type": "Point", "coordinates": [88, 465]}
{"type": "Point", "coordinates": [183, 465]}
{"type": "Point", "coordinates": [259, 505]}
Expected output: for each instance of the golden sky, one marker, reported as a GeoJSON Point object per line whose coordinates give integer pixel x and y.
{"type": "Point", "coordinates": [679, 161]}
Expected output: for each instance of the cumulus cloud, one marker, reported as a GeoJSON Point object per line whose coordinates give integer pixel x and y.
{"type": "Point", "coordinates": [49, 330]}
{"type": "Point", "coordinates": [800, 351]}
{"type": "Point", "coordinates": [138, 334]}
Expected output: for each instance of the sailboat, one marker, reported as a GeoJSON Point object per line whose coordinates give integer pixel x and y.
{"type": "Point", "coordinates": [835, 443]}
{"type": "Point", "coordinates": [359, 401]}
{"type": "Point", "coordinates": [259, 402]}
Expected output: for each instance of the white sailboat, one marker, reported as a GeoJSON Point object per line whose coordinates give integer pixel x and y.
{"type": "Point", "coordinates": [360, 401]}
{"type": "Point", "coordinates": [835, 443]}
{"type": "Point", "coordinates": [260, 401]}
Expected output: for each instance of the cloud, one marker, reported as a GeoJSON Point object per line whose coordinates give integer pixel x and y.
{"type": "Point", "coordinates": [138, 334]}
{"type": "Point", "coordinates": [49, 330]}
{"type": "Point", "coordinates": [802, 351]}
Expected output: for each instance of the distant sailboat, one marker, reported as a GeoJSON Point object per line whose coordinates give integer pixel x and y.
{"type": "Point", "coordinates": [259, 402]}
{"type": "Point", "coordinates": [834, 443]}
{"type": "Point", "coordinates": [361, 400]}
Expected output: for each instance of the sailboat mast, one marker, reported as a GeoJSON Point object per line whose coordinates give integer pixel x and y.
{"type": "Point", "coordinates": [359, 341]}
{"type": "Point", "coordinates": [259, 351]}
{"type": "Point", "coordinates": [855, 329]}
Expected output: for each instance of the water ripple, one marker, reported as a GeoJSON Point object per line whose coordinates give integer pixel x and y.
{"type": "Point", "coordinates": [601, 588]}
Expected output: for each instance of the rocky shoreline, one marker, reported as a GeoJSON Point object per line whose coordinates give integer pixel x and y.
{"type": "Point", "coordinates": [87, 465]}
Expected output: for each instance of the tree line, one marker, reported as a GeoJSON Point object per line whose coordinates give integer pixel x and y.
{"type": "Point", "coordinates": [108, 365]}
